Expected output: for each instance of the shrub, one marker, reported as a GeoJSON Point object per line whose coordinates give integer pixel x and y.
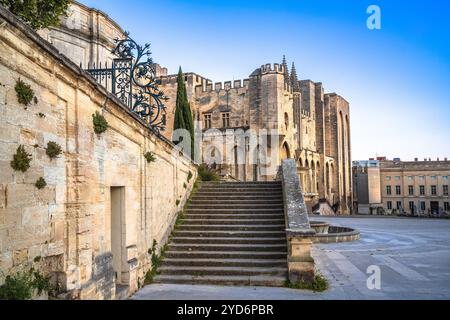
{"type": "Point", "coordinates": [53, 149]}
{"type": "Point", "coordinates": [150, 157]}
{"type": "Point", "coordinates": [22, 285]}
{"type": "Point", "coordinates": [100, 123]}
{"type": "Point", "coordinates": [206, 174]}
{"type": "Point", "coordinates": [40, 183]}
{"type": "Point", "coordinates": [319, 284]}
{"type": "Point", "coordinates": [177, 202]}
{"type": "Point", "coordinates": [21, 160]}
{"type": "Point", "coordinates": [24, 92]}
{"type": "Point", "coordinates": [185, 185]}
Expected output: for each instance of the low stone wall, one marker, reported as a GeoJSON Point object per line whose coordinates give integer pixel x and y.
{"type": "Point", "coordinates": [298, 228]}
{"type": "Point", "coordinates": [69, 223]}
{"type": "Point", "coordinates": [337, 234]}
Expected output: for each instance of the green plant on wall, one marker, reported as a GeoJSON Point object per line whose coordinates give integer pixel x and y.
{"type": "Point", "coordinates": [23, 284]}
{"type": "Point", "coordinates": [100, 123]}
{"type": "Point", "coordinates": [53, 149]}
{"type": "Point", "coordinates": [21, 160]}
{"type": "Point", "coordinates": [150, 157]}
{"type": "Point", "coordinates": [24, 92]}
{"type": "Point", "coordinates": [189, 176]}
{"type": "Point", "coordinates": [41, 183]}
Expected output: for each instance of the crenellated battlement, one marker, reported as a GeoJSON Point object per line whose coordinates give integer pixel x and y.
{"type": "Point", "coordinates": [190, 79]}
{"type": "Point", "coordinates": [222, 86]}
{"type": "Point", "coordinates": [275, 68]}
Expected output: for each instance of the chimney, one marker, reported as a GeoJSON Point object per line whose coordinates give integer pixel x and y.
{"type": "Point", "coordinates": [438, 159]}
{"type": "Point", "coordinates": [445, 159]}
{"type": "Point", "coordinates": [416, 159]}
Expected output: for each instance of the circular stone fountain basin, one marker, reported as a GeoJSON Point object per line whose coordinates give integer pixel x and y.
{"type": "Point", "coordinates": [325, 233]}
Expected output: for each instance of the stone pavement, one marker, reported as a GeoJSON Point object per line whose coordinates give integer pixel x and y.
{"type": "Point", "coordinates": [413, 256]}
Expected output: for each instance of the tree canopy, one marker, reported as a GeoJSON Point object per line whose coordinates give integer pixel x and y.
{"type": "Point", "coordinates": [183, 116]}
{"type": "Point", "coordinates": [38, 14]}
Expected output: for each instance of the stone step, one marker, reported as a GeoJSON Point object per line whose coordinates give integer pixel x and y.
{"type": "Point", "coordinates": [267, 281]}
{"type": "Point", "coordinates": [256, 195]}
{"type": "Point", "coordinates": [226, 262]}
{"type": "Point", "coordinates": [247, 183]}
{"type": "Point", "coordinates": [225, 254]}
{"type": "Point", "coordinates": [233, 221]}
{"type": "Point", "coordinates": [206, 228]}
{"type": "Point", "coordinates": [229, 234]}
{"type": "Point", "coordinates": [233, 211]}
{"type": "Point", "coordinates": [222, 271]}
{"type": "Point", "coordinates": [237, 197]}
{"type": "Point", "coordinates": [241, 185]}
{"type": "Point", "coordinates": [238, 190]}
{"type": "Point", "coordinates": [226, 206]}
{"type": "Point", "coordinates": [235, 216]}
{"type": "Point", "coordinates": [227, 247]}
{"type": "Point", "coordinates": [229, 240]}
{"type": "Point", "coordinates": [231, 201]}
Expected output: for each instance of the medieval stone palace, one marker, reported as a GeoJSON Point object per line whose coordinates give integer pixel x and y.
{"type": "Point", "coordinates": [313, 127]}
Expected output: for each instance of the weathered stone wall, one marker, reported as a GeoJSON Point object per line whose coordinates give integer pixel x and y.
{"type": "Point", "coordinates": [69, 221]}
{"type": "Point", "coordinates": [86, 36]}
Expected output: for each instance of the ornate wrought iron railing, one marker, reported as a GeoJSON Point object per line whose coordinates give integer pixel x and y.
{"type": "Point", "coordinates": [132, 79]}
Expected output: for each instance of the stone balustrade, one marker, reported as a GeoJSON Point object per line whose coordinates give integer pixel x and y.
{"type": "Point", "coordinates": [298, 229]}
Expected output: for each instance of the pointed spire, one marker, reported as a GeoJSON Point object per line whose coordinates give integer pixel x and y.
{"type": "Point", "coordinates": [286, 70]}
{"type": "Point", "coordinates": [294, 78]}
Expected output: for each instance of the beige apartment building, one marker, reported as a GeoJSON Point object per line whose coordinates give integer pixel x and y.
{"type": "Point", "coordinates": [409, 187]}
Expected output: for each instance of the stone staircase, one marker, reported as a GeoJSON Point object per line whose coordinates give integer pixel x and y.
{"type": "Point", "coordinates": [233, 233]}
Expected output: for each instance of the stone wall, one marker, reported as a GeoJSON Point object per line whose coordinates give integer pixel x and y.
{"type": "Point", "coordinates": [86, 36]}
{"type": "Point", "coordinates": [69, 222]}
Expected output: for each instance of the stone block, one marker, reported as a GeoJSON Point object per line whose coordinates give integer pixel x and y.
{"type": "Point", "coordinates": [20, 256]}
{"type": "Point", "coordinates": [21, 195]}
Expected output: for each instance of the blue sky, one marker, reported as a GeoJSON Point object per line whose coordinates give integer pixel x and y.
{"type": "Point", "coordinates": [396, 79]}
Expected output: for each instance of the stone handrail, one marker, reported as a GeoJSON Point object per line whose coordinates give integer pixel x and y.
{"type": "Point", "coordinates": [298, 228]}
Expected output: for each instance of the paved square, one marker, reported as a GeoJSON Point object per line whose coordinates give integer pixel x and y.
{"type": "Point", "coordinates": [412, 254]}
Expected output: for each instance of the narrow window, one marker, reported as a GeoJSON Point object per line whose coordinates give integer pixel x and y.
{"type": "Point", "coordinates": [388, 190]}
{"type": "Point", "coordinates": [422, 205]}
{"type": "Point", "coordinates": [389, 205]}
{"type": "Point", "coordinates": [422, 190]}
{"type": "Point", "coordinates": [445, 190]}
{"type": "Point", "coordinates": [433, 190]}
{"type": "Point", "coordinates": [225, 120]}
{"type": "Point", "coordinates": [447, 206]}
{"type": "Point", "coordinates": [207, 121]}
{"type": "Point", "coordinates": [398, 190]}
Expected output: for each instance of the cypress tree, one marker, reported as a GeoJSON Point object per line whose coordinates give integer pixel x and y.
{"type": "Point", "coordinates": [183, 115]}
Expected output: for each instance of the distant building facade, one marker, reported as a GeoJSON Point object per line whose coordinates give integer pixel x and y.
{"type": "Point", "coordinates": [366, 187]}
{"type": "Point", "coordinates": [410, 187]}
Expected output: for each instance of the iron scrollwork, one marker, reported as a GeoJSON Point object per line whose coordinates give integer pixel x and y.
{"type": "Point", "coordinates": [133, 80]}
